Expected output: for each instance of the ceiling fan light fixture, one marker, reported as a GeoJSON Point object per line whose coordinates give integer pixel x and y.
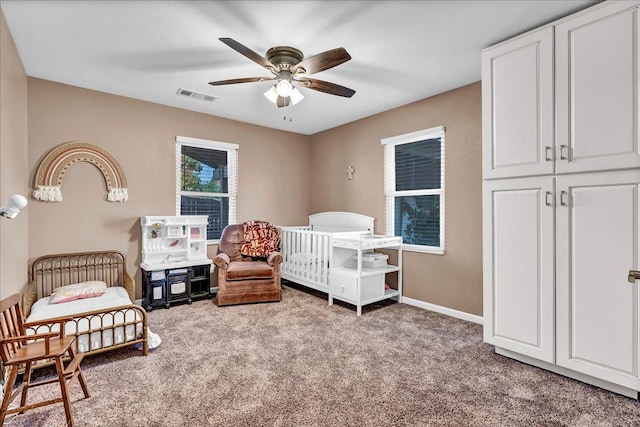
{"type": "Point", "coordinates": [272, 94]}
{"type": "Point", "coordinates": [296, 96]}
{"type": "Point", "coordinates": [293, 98]}
{"type": "Point", "coordinates": [284, 88]}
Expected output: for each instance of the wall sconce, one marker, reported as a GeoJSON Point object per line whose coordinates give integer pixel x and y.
{"type": "Point", "coordinates": [11, 209]}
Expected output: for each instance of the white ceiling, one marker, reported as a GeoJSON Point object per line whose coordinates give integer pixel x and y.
{"type": "Point", "coordinates": [402, 51]}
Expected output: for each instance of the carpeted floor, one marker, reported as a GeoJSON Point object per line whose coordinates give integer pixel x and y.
{"type": "Point", "coordinates": [302, 363]}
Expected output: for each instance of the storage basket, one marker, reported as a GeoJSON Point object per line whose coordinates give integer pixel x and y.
{"type": "Point", "coordinates": [372, 259]}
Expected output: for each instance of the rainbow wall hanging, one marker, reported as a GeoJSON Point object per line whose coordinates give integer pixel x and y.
{"type": "Point", "coordinates": [55, 164]}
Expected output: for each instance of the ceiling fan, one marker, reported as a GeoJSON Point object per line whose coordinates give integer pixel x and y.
{"type": "Point", "coordinates": [288, 66]}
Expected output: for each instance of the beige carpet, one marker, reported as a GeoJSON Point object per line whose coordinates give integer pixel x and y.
{"type": "Point", "coordinates": [302, 363]}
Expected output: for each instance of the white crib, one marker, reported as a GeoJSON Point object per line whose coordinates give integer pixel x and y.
{"type": "Point", "coordinates": [307, 249]}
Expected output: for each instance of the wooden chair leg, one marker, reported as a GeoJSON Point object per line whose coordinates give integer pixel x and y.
{"type": "Point", "coordinates": [64, 390]}
{"type": "Point", "coordinates": [26, 379]}
{"type": "Point", "coordinates": [145, 344]}
{"type": "Point", "coordinates": [7, 392]}
{"type": "Point", "coordinates": [83, 383]}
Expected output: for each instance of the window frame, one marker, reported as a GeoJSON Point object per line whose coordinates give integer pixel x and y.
{"type": "Point", "coordinates": [390, 192]}
{"type": "Point", "coordinates": [232, 172]}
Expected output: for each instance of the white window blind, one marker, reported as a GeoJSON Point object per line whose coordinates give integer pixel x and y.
{"type": "Point", "coordinates": [206, 182]}
{"type": "Point", "coordinates": [414, 189]}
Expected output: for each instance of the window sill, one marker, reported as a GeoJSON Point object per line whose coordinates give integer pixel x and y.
{"type": "Point", "coordinates": [423, 249]}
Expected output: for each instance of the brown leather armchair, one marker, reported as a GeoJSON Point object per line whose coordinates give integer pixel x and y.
{"type": "Point", "coordinates": [244, 279]}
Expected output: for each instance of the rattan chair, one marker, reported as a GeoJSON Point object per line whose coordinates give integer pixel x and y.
{"type": "Point", "coordinates": [18, 349]}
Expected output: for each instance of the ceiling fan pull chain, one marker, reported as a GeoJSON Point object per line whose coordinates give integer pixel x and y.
{"type": "Point", "coordinates": [286, 105]}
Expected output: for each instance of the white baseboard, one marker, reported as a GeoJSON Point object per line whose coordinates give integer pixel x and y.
{"type": "Point", "coordinates": [616, 388]}
{"type": "Point", "coordinates": [443, 310]}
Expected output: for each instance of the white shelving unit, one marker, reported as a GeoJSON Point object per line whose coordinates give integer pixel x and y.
{"type": "Point", "coordinates": [173, 241]}
{"type": "Point", "coordinates": [352, 281]}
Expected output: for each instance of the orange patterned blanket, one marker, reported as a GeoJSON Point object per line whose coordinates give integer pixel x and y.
{"type": "Point", "coordinates": [260, 239]}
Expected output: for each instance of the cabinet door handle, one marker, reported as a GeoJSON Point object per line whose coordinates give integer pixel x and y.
{"type": "Point", "coordinates": [633, 276]}
{"type": "Point", "coordinates": [562, 201]}
{"type": "Point", "coordinates": [562, 150]}
{"type": "Point", "coordinates": [548, 200]}
{"type": "Point", "coordinates": [548, 154]}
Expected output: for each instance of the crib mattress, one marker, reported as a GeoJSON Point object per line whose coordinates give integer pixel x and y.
{"type": "Point", "coordinates": [89, 335]}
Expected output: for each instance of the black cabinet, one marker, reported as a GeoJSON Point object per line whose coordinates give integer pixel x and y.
{"type": "Point", "coordinates": [200, 281]}
{"type": "Point", "coordinates": [154, 291]}
{"type": "Point", "coordinates": [161, 288]}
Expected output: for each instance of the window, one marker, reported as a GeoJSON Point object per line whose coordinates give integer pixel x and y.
{"type": "Point", "coordinates": [414, 189]}
{"type": "Point", "coordinates": [206, 182]}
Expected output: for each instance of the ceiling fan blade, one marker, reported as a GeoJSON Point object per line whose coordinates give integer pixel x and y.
{"type": "Point", "coordinates": [322, 61]}
{"type": "Point", "coordinates": [326, 87]}
{"type": "Point", "coordinates": [254, 56]}
{"type": "Point", "coordinates": [242, 80]}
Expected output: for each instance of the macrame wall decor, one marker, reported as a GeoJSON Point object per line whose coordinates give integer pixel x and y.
{"type": "Point", "coordinates": [55, 164]}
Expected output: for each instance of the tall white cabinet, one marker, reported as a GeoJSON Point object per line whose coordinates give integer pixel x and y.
{"type": "Point", "coordinates": [517, 107]}
{"type": "Point", "coordinates": [561, 169]}
{"type": "Point", "coordinates": [597, 245]}
{"type": "Point", "coordinates": [519, 266]}
{"type": "Point", "coordinates": [597, 89]}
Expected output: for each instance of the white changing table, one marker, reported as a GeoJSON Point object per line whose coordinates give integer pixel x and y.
{"type": "Point", "coordinates": [353, 282]}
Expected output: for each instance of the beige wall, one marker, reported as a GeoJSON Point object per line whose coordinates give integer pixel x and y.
{"type": "Point", "coordinates": [455, 279]}
{"type": "Point", "coordinates": [273, 168]}
{"type": "Point", "coordinates": [13, 164]}
{"type": "Point", "coordinates": [305, 175]}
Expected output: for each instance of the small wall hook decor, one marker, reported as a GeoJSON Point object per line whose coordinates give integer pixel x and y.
{"type": "Point", "coordinates": [350, 171]}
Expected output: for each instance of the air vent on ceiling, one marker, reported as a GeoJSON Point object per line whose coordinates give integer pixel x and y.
{"type": "Point", "coordinates": [197, 95]}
